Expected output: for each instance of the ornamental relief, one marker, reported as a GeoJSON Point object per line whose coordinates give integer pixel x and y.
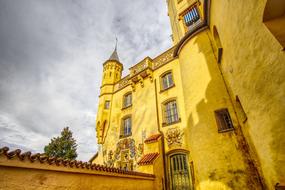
{"type": "Point", "coordinates": [125, 156]}
{"type": "Point", "coordinates": [163, 59]}
{"type": "Point", "coordinates": [174, 137]}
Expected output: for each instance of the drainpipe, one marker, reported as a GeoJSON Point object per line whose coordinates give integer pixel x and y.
{"type": "Point", "coordinates": [162, 137]}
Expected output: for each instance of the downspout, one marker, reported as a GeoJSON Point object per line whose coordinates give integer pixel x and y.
{"type": "Point", "coordinates": [162, 137]}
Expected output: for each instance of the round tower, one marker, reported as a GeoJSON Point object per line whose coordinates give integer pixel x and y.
{"type": "Point", "coordinates": [112, 73]}
{"type": "Point", "coordinates": [112, 69]}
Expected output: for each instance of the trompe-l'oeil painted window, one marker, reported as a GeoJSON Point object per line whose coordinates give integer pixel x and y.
{"type": "Point", "coordinates": [170, 112]}
{"type": "Point", "coordinates": [126, 129]}
{"type": "Point", "coordinates": [192, 17]}
{"type": "Point", "coordinates": [167, 81]}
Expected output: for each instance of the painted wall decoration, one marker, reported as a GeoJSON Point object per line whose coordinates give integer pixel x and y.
{"type": "Point", "coordinates": [174, 137]}
{"type": "Point", "coordinates": [126, 154]}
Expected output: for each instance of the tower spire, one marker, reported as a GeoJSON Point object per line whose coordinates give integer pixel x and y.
{"type": "Point", "coordinates": [114, 55]}
{"type": "Point", "coordinates": [116, 43]}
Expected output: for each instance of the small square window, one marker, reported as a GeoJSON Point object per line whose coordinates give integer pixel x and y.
{"type": "Point", "coordinates": [107, 104]}
{"type": "Point", "coordinates": [192, 17]}
{"type": "Point", "coordinates": [224, 121]}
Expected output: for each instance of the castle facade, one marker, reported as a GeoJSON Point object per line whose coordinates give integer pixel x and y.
{"type": "Point", "coordinates": [209, 112]}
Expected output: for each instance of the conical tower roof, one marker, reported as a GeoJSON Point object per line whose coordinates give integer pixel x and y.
{"type": "Point", "coordinates": [114, 56]}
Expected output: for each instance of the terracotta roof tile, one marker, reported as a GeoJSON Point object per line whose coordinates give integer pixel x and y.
{"type": "Point", "coordinates": [148, 158]}
{"type": "Point", "coordinates": [59, 162]}
{"type": "Point", "coordinates": [152, 138]}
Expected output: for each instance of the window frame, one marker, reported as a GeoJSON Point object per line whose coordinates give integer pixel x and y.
{"type": "Point", "coordinates": [105, 103]}
{"type": "Point", "coordinates": [222, 126]}
{"type": "Point", "coordinates": [189, 161]}
{"type": "Point", "coordinates": [164, 116]}
{"type": "Point", "coordinates": [162, 87]}
{"type": "Point", "coordinates": [125, 98]}
{"type": "Point", "coordinates": [200, 20]}
{"type": "Point", "coordinates": [123, 130]}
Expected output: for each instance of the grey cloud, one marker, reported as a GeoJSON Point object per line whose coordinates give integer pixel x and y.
{"type": "Point", "coordinates": [51, 55]}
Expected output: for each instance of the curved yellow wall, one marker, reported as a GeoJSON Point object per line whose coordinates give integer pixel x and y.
{"type": "Point", "coordinates": [219, 161]}
{"type": "Point", "coordinates": [253, 66]}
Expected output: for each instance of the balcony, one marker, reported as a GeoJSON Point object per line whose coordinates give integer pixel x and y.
{"type": "Point", "coordinates": [141, 66]}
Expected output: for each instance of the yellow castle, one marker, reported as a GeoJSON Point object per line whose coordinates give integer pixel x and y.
{"type": "Point", "coordinates": [209, 113]}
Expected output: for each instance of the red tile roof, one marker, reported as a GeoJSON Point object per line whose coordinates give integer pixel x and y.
{"type": "Point", "coordinates": [152, 138]}
{"type": "Point", "coordinates": [148, 158]}
{"type": "Point", "coordinates": [64, 162]}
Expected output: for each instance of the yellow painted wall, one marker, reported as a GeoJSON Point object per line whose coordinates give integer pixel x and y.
{"type": "Point", "coordinates": [252, 155]}
{"type": "Point", "coordinates": [253, 66]}
{"type": "Point", "coordinates": [19, 175]}
{"type": "Point", "coordinates": [217, 157]}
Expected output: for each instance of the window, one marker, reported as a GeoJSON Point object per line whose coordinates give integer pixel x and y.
{"type": "Point", "coordinates": [126, 129]}
{"type": "Point", "coordinates": [170, 112]}
{"type": "Point", "coordinates": [167, 81]}
{"type": "Point", "coordinates": [107, 104]}
{"type": "Point", "coordinates": [192, 17]}
{"type": "Point", "coordinates": [127, 102]}
{"type": "Point", "coordinates": [224, 121]}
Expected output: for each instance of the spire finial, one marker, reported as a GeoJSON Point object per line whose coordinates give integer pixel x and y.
{"type": "Point", "coordinates": [114, 55]}
{"type": "Point", "coordinates": [116, 44]}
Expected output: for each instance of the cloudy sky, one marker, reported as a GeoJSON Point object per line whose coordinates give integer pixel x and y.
{"type": "Point", "coordinates": [51, 55]}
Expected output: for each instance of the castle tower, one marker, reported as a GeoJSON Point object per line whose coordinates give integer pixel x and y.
{"type": "Point", "coordinates": [112, 73]}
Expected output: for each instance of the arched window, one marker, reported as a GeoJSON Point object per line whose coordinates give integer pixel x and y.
{"type": "Point", "coordinates": [181, 176]}
{"type": "Point", "coordinates": [219, 50]}
{"type": "Point", "coordinates": [274, 19]}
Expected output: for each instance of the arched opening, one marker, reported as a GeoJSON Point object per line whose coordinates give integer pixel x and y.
{"type": "Point", "coordinates": [103, 129]}
{"type": "Point", "coordinates": [218, 44]}
{"type": "Point", "coordinates": [180, 173]}
{"type": "Point", "coordinates": [274, 19]}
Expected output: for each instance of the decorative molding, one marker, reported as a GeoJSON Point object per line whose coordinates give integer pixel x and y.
{"type": "Point", "coordinates": [163, 58]}
{"type": "Point", "coordinates": [144, 69]}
